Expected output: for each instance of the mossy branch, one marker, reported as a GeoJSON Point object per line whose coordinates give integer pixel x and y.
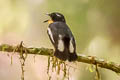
{"type": "Point", "coordinates": [81, 58]}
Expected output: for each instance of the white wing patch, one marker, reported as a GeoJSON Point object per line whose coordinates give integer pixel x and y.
{"type": "Point", "coordinates": [71, 48]}
{"type": "Point", "coordinates": [58, 15]}
{"type": "Point", "coordinates": [60, 44]}
{"type": "Point", "coordinates": [51, 36]}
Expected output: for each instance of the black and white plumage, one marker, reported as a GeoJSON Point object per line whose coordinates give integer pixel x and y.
{"type": "Point", "coordinates": [61, 37]}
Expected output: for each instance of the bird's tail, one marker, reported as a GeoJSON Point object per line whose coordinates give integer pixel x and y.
{"type": "Point", "coordinates": [72, 57]}
{"type": "Point", "coordinates": [66, 56]}
{"type": "Point", "coordinates": [61, 55]}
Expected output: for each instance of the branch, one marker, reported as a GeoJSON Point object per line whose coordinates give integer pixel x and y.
{"type": "Point", "coordinates": [81, 58]}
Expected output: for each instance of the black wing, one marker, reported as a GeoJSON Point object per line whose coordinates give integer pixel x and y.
{"type": "Point", "coordinates": [60, 28]}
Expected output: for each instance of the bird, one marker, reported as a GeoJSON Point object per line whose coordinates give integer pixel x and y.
{"type": "Point", "coordinates": [61, 37]}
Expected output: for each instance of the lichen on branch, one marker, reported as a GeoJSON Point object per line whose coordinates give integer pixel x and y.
{"type": "Point", "coordinates": [81, 58]}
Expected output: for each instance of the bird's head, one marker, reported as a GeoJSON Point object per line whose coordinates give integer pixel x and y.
{"type": "Point", "coordinates": [55, 17]}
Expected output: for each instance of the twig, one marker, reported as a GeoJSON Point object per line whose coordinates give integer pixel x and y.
{"type": "Point", "coordinates": [97, 73]}
{"type": "Point", "coordinates": [81, 58]}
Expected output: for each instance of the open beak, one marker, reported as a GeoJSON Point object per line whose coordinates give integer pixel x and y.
{"type": "Point", "coordinates": [49, 21]}
{"type": "Point", "coordinates": [48, 14]}
{"type": "Point", "coordinates": [46, 20]}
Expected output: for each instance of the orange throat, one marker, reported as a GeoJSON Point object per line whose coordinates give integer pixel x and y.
{"type": "Point", "coordinates": [50, 21]}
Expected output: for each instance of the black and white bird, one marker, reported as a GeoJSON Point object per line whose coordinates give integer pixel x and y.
{"type": "Point", "coordinates": [61, 37]}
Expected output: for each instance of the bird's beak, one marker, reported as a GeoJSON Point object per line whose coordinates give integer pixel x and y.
{"type": "Point", "coordinates": [47, 14]}
{"type": "Point", "coordinates": [49, 21]}
{"type": "Point", "coordinates": [46, 20]}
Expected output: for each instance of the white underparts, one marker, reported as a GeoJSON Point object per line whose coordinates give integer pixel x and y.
{"type": "Point", "coordinates": [51, 36]}
{"type": "Point", "coordinates": [60, 44]}
{"type": "Point", "coordinates": [71, 48]}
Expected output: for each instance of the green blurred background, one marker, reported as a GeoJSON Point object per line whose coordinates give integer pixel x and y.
{"type": "Point", "coordinates": [94, 23]}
